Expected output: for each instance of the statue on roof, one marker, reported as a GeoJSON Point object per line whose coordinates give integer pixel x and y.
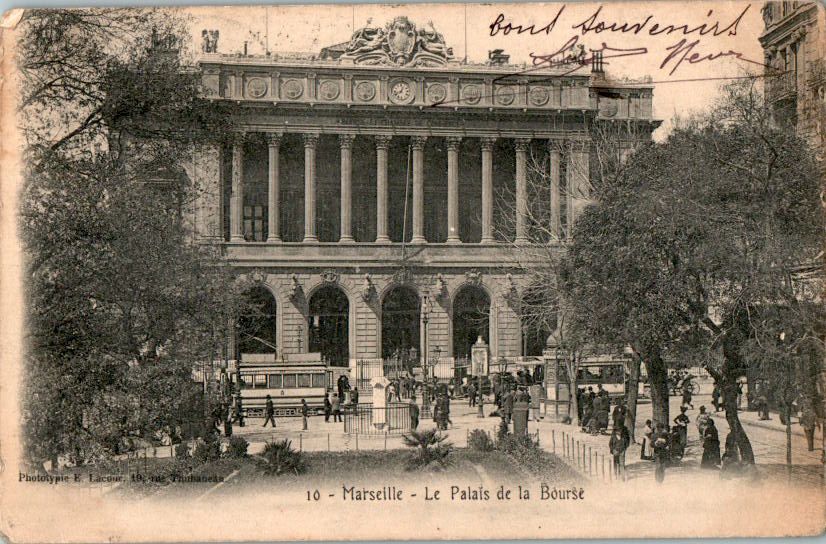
{"type": "Point", "coordinates": [399, 43]}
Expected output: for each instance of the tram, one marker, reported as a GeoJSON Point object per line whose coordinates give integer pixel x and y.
{"type": "Point", "coordinates": [286, 379]}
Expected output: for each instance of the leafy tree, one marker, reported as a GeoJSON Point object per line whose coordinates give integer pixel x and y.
{"type": "Point", "coordinates": [123, 303]}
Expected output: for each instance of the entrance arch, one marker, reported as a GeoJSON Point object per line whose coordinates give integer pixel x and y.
{"type": "Point", "coordinates": [256, 331]}
{"type": "Point", "coordinates": [400, 328]}
{"type": "Point", "coordinates": [471, 319]}
{"type": "Point", "coordinates": [538, 314]}
{"type": "Point", "coordinates": [328, 325]}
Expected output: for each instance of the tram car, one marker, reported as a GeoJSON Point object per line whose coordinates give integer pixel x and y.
{"type": "Point", "coordinates": [286, 379]}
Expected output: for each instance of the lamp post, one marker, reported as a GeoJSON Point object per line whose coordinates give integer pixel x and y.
{"type": "Point", "coordinates": [425, 392]}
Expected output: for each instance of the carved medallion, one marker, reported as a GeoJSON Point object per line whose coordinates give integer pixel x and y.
{"type": "Point", "coordinates": [365, 91]}
{"type": "Point", "coordinates": [329, 90]}
{"type": "Point", "coordinates": [608, 107]}
{"type": "Point", "coordinates": [505, 95]}
{"type": "Point", "coordinates": [473, 277]}
{"type": "Point", "coordinates": [471, 94]}
{"type": "Point", "coordinates": [436, 93]}
{"type": "Point", "coordinates": [292, 89]}
{"type": "Point", "coordinates": [256, 87]}
{"type": "Point", "coordinates": [401, 91]}
{"type": "Point", "coordinates": [539, 96]}
{"type": "Point", "coordinates": [329, 276]}
{"type": "Point", "coordinates": [256, 276]}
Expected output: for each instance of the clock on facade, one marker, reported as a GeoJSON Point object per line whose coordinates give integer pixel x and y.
{"type": "Point", "coordinates": [400, 92]}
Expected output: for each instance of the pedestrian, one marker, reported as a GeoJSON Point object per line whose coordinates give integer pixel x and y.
{"type": "Point", "coordinates": [687, 394]}
{"type": "Point", "coordinates": [731, 457]}
{"type": "Point", "coordinates": [620, 411]}
{"type": "Point", "coordinates": [647, 450]}
{"type": "Point", "coordinates": [269, 411]}
{"type": "Point", "coordinates": [702, 420]}
{"type": "Point", "coordinates": [808, 421]}
{"type": "Point", "coordinates": [328, 408]}
{"type": "Point", "coordinates": [305, 413]}
{"type": "Point", "coordinates": [239, 409]}
{"type": "Point", "coordinates": [711, 447]}
{"type": "Point", "coordinates": [739, 395]}
{"type": "Point", "coordinates": [414, 416]}
{"type": "Point", "coordinates": [579, 405]}
{"type": "Point", "coordinates": [715, 397]}
{"type": "Point", "coordinates": [336, 401]}
{"type": "Point", "coordinates": [354, 397]}
{"type": "Point", "coordinates": [681, 422]}
{"type": "Point", "coordinates": [763, 403]}
{"type": "Point", "coordinates": [507, 403]}
{"type": "Point", "coordinates": [471, 395]}
{"type": "Point", "coordinates": [620, 439]}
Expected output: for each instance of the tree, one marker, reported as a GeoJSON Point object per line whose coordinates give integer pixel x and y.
{"type": "Point", "coordinates": [554, 199]}
{"type": "Point", "coordinates": [677, 260]}
{"type": "Point", "coordinates": [123, 303]}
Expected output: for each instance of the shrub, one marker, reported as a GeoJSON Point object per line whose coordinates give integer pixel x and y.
{"type": "Point", "coordinates": [480, 441]}
{"type": "Point", "coordinates": [237, 448]}
{"type": "Point", "coordinates": [281, 458]}
{"type": "Point", "coordinates": [182, 451]}
{"type": "Point", "coordinates": [434, 450]}
{"type": "Point", "coordinates": [209, 450]}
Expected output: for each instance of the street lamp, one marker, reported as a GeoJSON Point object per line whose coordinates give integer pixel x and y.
{"type": "Point", "coordinates": [425, 393]}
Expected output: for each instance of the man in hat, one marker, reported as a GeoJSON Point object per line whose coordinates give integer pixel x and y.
{"type": "Point", "coordinates": [269, 411]}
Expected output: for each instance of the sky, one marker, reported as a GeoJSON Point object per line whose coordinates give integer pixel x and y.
{"type": "Point", "coordinates": [686, 61]}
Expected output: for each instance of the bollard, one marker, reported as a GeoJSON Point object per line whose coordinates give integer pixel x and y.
{"type": "Point", "coordinates": [300, 442]}
{"type": "Point", "coordinates": [583, 457]}
{"type": "Point", "coordinates": [603, 467]}
{"type": "Point", "coordinates": [576, 453]}
{"type": "Point", "coordinates": [328, 441]}
{"type": "Point", "coordinates": [385, 440]}
{"type": "Point", "coordinates": [537, 436]}
{"type": "Point", "coordinates": [553, 440]}
{"type": "Point", "coordinates": [590, 462]}
{"type": "Point", "coordinates": [610, 472]}
{"type": "Point", "coordinates": [357, 441]}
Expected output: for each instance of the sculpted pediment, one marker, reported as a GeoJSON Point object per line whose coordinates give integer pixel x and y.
{"type": "Point", "coordinates": [399, 43]}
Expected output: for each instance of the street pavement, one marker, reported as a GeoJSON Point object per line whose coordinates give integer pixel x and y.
{"type": "Point", "coordinates": [768, 439]}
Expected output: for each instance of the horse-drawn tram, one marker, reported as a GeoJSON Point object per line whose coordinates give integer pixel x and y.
{"type": "Point", "coordinates": [286, 379]}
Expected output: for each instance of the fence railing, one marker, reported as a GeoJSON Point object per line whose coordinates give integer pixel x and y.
{"type": "Point", "coordinates": [368, 419]}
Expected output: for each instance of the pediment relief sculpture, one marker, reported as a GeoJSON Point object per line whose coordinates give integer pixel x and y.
{"type": "Point", "coordinates": [399, 43]}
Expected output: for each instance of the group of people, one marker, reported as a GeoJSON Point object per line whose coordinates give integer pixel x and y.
{"type": "Point", "coordinates": [594, 409]}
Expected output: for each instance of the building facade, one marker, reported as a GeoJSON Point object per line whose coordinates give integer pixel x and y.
{"type": "Point", "coordinates": [794, 45]}
{"type": "Point", "coordinates": [374, 193]}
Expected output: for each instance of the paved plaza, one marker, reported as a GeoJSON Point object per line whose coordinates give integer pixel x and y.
{"type": "Point", "coordinates": [768, 440]}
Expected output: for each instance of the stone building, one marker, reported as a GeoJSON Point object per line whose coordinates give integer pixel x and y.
{"type": "Point", "coordinates": [794, 45]}
{"type": "Point", "coordinates": [362, 198]}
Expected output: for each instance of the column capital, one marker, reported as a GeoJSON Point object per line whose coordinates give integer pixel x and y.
{"type": "Point", "coordinates": [417, 142]}
{"type": "Point", "coordinates": [274, 138]}
{"type": "Point", "coordinates": [453, 142]}
{"type": "Point", "coordinates": [310, 139]}
{"type": "Point", "coordinates": [522, 144]}
{"type": "Point", "coordinates": [239, 136]}
{"type": "Point", "coordinates": [488, 142]}
{"type": "Point", "coordinates": [383, 141]}
{"type": "Point", "coordinates": [346, 140]}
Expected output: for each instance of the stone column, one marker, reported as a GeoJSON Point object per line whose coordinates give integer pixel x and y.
{"type": "Point", "coordinates": [273, 186]}
{"type": "Point", "coordinates": [382, 143]}
{"type": "Point", "coordinates": [556, 157]}
{"type": "Point", "coordinates": [453, 145]}
{"type": "Point", "coordinates": [487, 189]}
{"type": "Point", "coordinates": [236, 202]}
{"type": "Point", "coordinates": [346, 143]}
{"type": "Point", "coordinates": [417, 143]}
{"type": "Point", "coordinates": [310, 141]}
{"type": "Point", "coordinates": [521, 190]}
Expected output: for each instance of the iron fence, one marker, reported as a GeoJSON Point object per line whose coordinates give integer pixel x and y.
{"type": "Point", "coordinates": [367, 419]}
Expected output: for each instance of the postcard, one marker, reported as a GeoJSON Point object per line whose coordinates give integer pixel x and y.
{"type": "Point", "coordinates": [413, 271]}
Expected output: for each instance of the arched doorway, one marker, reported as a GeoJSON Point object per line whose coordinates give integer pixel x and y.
{"type": "Point", "coordinates": [400, 322]}
{"type": "Point", "coordinates": [257, 322]}
{"type": "Point", "coordinates": [471, 319]}
{"type": "Point", "coordinates": [328, 325]}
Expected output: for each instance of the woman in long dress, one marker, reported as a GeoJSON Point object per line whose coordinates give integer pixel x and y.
{"type": "Point", "coordinates": [711, 446]}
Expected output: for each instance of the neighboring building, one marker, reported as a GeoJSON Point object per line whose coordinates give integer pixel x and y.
{"type": "Point", "coordinates": [794, 44]}
{"type": "Point", "coordinates": [365, 188]}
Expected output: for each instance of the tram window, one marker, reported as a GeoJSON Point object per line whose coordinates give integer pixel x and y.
{"type": "Point", "coordinates": [245, 381]}
{"type": "Point", "coordinates": [319, 380]}
{"type": "Point", "coordinates": [289, 380]}
{"type": "Point", "coordinates": [275, 381]}
{"type": "Point", "coordinates": [303, 380]}
{"type": "Point", "coordinates": [260, 380]}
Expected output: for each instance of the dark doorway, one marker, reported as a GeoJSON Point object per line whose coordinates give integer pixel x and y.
{"type": "Point", "coordinates": [329, 325]}
{"type": "Point", "coordinates": [256, 322]}
{"type": "Point", "coordinates": [399, 322]}
{"type": "Point", "coordinates": [471, 319]}
{"type": "Point", "coordinates": [538, 316]}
